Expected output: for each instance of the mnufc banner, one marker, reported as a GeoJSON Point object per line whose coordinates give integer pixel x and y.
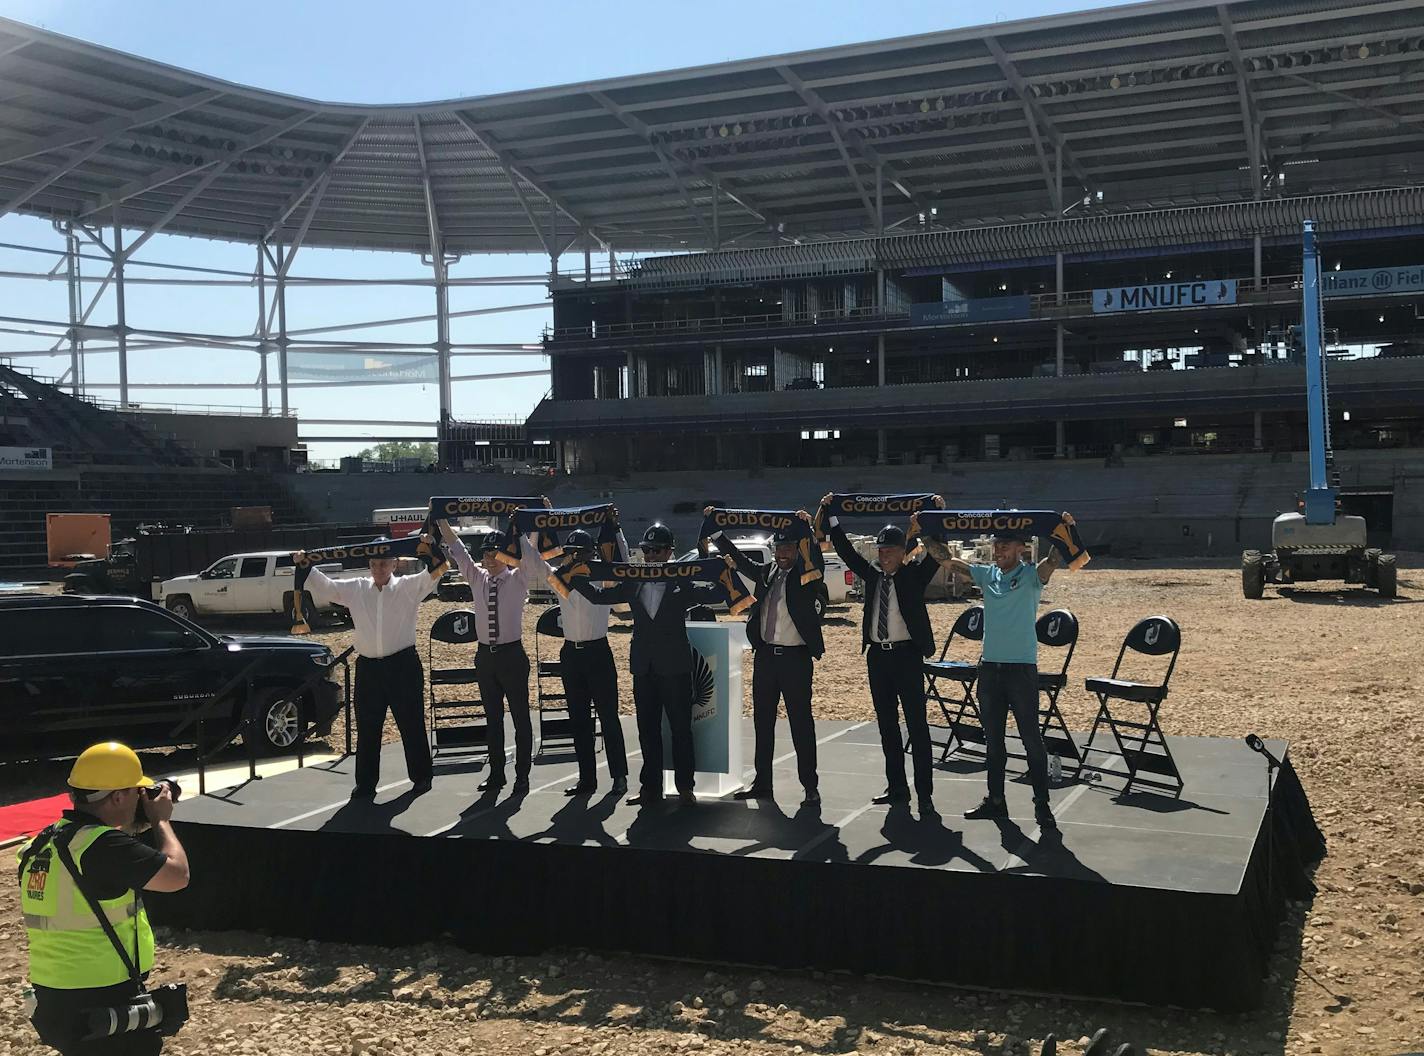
{"type": "Point", "coordinates": [1372, 281]}
{"type": "Point", "coordinates": [973, 310]}
{"type": "Point", "coordinates": [1201, 294]}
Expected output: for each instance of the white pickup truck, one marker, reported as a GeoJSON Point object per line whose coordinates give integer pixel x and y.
{"type": "Point", "coordinates": [241, 584]}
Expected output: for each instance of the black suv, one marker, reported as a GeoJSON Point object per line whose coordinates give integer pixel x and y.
{"type": "Point", "coordinates": [76, 669]}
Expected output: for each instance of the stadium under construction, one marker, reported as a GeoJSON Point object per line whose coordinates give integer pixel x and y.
{"type": "Point", "coordinates": [1059, 250]}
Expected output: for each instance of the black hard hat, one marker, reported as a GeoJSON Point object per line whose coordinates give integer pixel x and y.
{"type": "Point", "coordinates": [890, 535]}
{"type": "Point", "coordinates": [782, 537]}
{"type": "Point", "coordinates": [492, 541]}
{"type": "Point", "coordinates": [658, 535]}
{"type": "Point", "coordinates": [577, 540]}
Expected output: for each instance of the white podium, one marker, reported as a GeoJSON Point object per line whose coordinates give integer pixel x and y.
{"type": "Point", "coordinates": [717, 703]}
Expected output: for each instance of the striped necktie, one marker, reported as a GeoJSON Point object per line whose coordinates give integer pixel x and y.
{"type": "Point", "coordinates": [773, 602]}
{"type": "Point", "coordinates": [882, 616]}
{"type": "Point", "coordinates": [494, 610]}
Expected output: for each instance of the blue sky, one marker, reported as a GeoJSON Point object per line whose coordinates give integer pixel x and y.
{"type": "Point", "coordinates": [365, 51]}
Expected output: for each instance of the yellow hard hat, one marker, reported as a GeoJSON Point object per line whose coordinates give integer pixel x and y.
{"type": "Point", "coordinates": [107, 767]}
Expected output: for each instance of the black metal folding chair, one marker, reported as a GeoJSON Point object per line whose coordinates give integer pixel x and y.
{"type": "Point", "coordinates": [457, 725]}
{"type": "Point", "coordinates": [1141, 745]}
{"type": "Point", "coordinates": [963, 726]}
{"type": "Point", "coordinates": [1057, 630]}
{"type": "Point", "coordinates": [556, 726]}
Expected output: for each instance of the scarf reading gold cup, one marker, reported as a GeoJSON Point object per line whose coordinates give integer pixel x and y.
{"type": "Point", "coordinates": [354, 555]}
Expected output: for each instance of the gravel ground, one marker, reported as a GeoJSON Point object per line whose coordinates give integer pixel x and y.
{"type": "Point", "coordinates": [1335, 672]}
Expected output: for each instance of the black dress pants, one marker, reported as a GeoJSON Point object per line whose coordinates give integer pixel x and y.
{"type": "Point", "coordinates": [502, 672]}
{"type": "Point", "coordinates": [591, 684]}
{"type": "Point", "coordinates": [655, 695]}
{"type": "Point", "coordinates": [1004, 688]}
{"type": "Point", "coordinates": [781, 672]}
{"type": "Point", "coordinates": [396, 682]}
{"type": "Point", "coordinates": [897, 684]}
{"type": "Point", "coordinates": [58, 1020]}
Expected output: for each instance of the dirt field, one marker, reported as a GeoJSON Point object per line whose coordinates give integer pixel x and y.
{"type": "Point", "coordinates": [1336, 672]}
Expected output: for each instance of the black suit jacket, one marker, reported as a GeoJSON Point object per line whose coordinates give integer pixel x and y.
{"type": "Point", "coordinates": [660, 644]}
{"type": "Point", "coordinates": [800, 600]}
{"type": "Point", "coordinates": [910, 583]}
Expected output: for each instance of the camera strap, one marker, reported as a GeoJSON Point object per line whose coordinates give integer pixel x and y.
{"type": "Point", "coordinates": [61, 846]}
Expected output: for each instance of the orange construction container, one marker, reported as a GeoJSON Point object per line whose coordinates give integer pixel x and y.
{"type": "Point", "coordinates": [68, 534]}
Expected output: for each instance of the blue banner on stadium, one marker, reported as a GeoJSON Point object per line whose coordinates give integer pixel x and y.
{"type": "Point", "coordinates": [974, 310]}
{"type": "Point", "coordinates": [1200, 294]}
{"type": "Point", "coordinates": [1372, 281]}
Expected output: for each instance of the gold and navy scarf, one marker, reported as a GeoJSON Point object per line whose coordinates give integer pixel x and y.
{"type": "Point", "coordinates": [863, 505]}
{"type": "Point", "coordinates": [445, 507]}
{"type": "Point", "coordinates": [596, 520]}
{"type": "Point", "coordinates": [354, 555]}
{"type": "Point", "coordinates": [812, 562]}
{"type": "Point", "coordinates": [1060, 530]}
{"type": "Point", "coordinates": [719, 570]}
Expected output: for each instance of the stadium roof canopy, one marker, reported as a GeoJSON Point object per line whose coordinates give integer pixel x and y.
{"type": "Point", "coordinates": [1170, 102]}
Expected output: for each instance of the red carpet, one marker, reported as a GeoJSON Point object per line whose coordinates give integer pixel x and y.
{"type": "Point", "coordinates": [24, 819]}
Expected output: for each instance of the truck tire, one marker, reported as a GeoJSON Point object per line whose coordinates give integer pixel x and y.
{"type": "Point", "coordinates": [1371, 564]}
{"type": "Point", "coordinates": [1386, 573]}
{"type": "Point", "coordinates": [308, 607]}
{"type": "Point", "coordinates": [1253, 575]}
{"type": "Point", "coordinates": [277, 720]}
{"type": "Point", "coordinates": [182, 606]}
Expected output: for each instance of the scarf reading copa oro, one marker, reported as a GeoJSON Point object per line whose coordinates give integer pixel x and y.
{"type": "Point", "coordinates": [444, 507]}
{"type": "Point", "coordinates": [1059, 529]}
{"type": "Point", "coordinates": [354, 555]}
{"type": "Point", "coordinates": [596, 520]}
{"type": "Point", "coordinates": [812, 563]}
{"type": "Point", "coordinates": [719, 570]}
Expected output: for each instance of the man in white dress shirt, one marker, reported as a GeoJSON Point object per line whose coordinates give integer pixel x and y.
{"type": "Point", "coordinates": [498, 595]}
{"type": "Point", "coordinates": [389, 674]}
{"type": "Point", "coordinates": [590, 677]}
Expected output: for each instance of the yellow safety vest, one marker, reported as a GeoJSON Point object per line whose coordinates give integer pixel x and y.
{"type": "Point", "coordinates": [68, 947]}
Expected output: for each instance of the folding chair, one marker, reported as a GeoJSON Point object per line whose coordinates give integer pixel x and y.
{"type": "Point", "coordinates": [1143, 747]}
{"type": "Point", "coordinates": [963, 726]}
{"type": "Point", "coordinates": [1057, 630]}
{"type": "Point", "coordinates": [556, 726]}
{"type": "Point", "coordinates": [457, 726]}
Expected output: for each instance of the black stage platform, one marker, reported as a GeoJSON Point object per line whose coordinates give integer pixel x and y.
{"type": "Point", "coordinates": [1139, 898]}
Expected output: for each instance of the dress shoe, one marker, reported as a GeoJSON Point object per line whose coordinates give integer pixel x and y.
{"type": "Point", "coordinates": [687, 799]}
{"type": "Point", "coordinates": [644, 799]}
{"type": "Point", "coordinates": [890, 797]}
{"type": "Point", "coordinates": [989, 809]}
{"type": "Point", "coordinates": [620, 785]}
{"type": "Point", "coordinates": [521, 786]}
{"type": "Point", "coordinates": [363, 793]}
{"type": "Point", "coordinates": [420, 788]}
{"type": "Point", "coordinates": [752, 793]}
{"type": "Point", "coordinates": [812, 796]}
{"type": "Point", "coordinates": [1043, 814]}
{"type": "Point", "coordinates": [493, 783]}
{"type": "Point", "coordinates": [927, 807]}
{"type": "Point", "coordinates": [580, 789]}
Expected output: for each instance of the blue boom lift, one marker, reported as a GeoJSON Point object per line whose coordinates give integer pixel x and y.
{"type": "Point", "coordinates": [1318, 543]}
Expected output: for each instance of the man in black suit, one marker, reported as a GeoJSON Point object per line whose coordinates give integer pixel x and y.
{"type": "Point", "coordinates": [785, 634]}
{"type": "Point", "coordinates": [660, 658]}
{"type": "Point", "coordinates": [895, 634]}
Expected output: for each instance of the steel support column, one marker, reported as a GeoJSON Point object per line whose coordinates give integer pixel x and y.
{"type": "Point", "coordinates": [120, 322]}
{"type": "Point", "coordinates": [442, 338]}
{"type": "Point", "coordinates": [1059, 445]}
{"type": "Point", "coordinates": [262, 330]}
{"type": "Point", "coordinates": [71, 260]}
{"type": "Point", "coordinates": [282, 263]}
{"type": "Point", "coordinates": [1258, 441]}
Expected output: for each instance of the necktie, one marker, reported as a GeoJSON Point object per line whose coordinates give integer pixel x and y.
{"type": "Point", "coordinates": [494, 609]}
{"type": "Point", "coordinates": [773, 603]}
{"type": "Point", "coordinates": [882, 617]}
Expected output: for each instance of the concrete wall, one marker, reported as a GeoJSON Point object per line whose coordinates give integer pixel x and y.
{"type": "Point", "coordinates": [1205, 505]}
{"type": "Point", "coordinates": [207, 434]}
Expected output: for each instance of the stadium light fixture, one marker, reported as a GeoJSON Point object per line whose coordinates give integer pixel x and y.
{"type": "Point", "coordinates": [1115, 82]}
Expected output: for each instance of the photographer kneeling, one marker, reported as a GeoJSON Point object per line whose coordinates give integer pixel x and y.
{"type": "Point", "coordinates": [90, 943]}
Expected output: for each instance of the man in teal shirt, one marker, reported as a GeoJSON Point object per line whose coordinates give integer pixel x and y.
{"type": "Point", "coordinates": [1008, 670]}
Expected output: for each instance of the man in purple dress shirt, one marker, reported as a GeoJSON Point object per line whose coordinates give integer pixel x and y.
{"type": "Point", "coordinates": [498, 594]}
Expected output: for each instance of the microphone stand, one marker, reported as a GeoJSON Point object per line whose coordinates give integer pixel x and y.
{"type": "Point", "coordinates": [1272, 765]}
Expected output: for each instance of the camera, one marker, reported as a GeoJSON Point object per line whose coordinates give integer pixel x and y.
{"type": "Point", "coordinates": [154, 790]}
{"type": "Point", "coordinates": [163, 1009]}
